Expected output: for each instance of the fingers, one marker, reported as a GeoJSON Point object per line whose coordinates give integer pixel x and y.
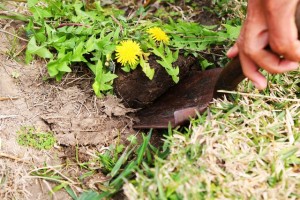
{"type": "Point", "coordinates": [233, 51]}
{"type": "Point", "coordinates": [273, 64]}
{"type": "Point", "coordinates": [269, 22]}
{"type": "Point", "coordinates": [250, 70]}
{"type": "Point", "coordinates": [283, 32]}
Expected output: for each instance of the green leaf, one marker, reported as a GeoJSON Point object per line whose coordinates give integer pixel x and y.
{"type": "Point", "coordinates": [116, 34]}
{"type": "Point", "coordinates": [205, 64]}
{"type": "Point", "coordinates": [56, 68]}
{"type": "Point", "coordinates": [78, 53]}
{"type": "Point", "coordinates": [167, 58]}
{"type": "Point", "coordinates": [233, 31]}
{"type": "Point", "coordinates": [103, 80]}
{"type": "Point", "coordinates": [90, 44]}
{"type": "Point", "coordinates": [33, 49]}
{"type": "Point", "coordinates": [63, 67]}
{"type": "Point", "coordinates": [59, 187]}
{"type": "Point", "coordinates": [118, 182]}
{"type": "Point", "coordinates": [146, 68]}
{"type": "Point", "coordinates": [126, 68]}
{"type": "Point", "coordinates": [40, 13]}
{"type": "Point", "coordinates": [32, 3]}
{"type": "Point", "coordinates": [96, 87]}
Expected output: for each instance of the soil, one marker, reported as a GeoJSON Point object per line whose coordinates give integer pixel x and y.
{"type": "Point", "coordinates": [137, 91]}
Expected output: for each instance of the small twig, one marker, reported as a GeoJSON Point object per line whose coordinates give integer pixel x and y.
{"type": "Point", "coordinates": [65, 177]}
{"type": "Point", "coordinates": [22, 49]}
{"type": "Point", "coordinates": [8, 98]}
{"type": "Point", "coordinates": [259, 96]}
{"type": "Point", "coordinates": [12, 157]}
{"type": "Point", "coordinates": [49, 188]}
{"type": "Point", "coordinates": [7, 116]}
{"type": "Point", "coordinates": [6, 32]}
{"type": "Point", "coordinates": [117, 21]}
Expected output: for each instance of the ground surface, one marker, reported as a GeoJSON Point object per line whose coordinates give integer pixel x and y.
{"type": "Point", "coordinates": [68, 108]}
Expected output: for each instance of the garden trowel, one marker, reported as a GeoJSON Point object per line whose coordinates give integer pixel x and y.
{"type": "Point", "coordinates": [191, 96]}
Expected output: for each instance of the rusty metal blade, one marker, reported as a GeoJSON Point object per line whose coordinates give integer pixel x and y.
{"type": "Point", "coordinates": [230, 77]}
{"type": "Point", "coordinates": [181, 102]}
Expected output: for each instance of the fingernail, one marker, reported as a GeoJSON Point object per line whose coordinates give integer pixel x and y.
{"type": "Point", "coordinates": [290, 65]}
{"type": "Point", "coordinates": [229, 51]}
{"type": "Point", "coordinates": [259, 86]}
{"type": "Point", "coordinates": [255, 84]}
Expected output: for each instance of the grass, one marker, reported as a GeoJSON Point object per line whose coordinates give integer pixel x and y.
{"type": "Point", "coordinates": [246, 148]}
{"type": "Point", "coordinates": [31, 137]}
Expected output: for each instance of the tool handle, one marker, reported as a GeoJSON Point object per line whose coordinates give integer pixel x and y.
{"type": "Point", "coordinates": [232, 74]}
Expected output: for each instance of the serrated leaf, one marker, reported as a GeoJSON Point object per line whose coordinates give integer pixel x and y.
{"type": "Point", "coordinates": [90, 44]}
{"type": "Point", "coordinates": [233, 31]}
{"type": "Point", "coordinates": [166, 61]}
{"type": "Point", "coordinates": [103, 80]}
{"type": "Point", "coordinates": [52, 70]}
{"type": "Point", "coordinates": [56, 68]}
{"type": "Point", "coordinates": [96, 88]}
{"type": "Point", "coordinates": [116, 34]}
{"type": "Point", "coordinates": [33, 49]}
{"type": "Point", "coordinates": [149, 72]}
{"type": "Point", "coordinates": [176, 54]}
{"type": "Point", "coordinates": [78, 53]}
{"type": "Point", "coordinates": [40, 13]}
{"type": "Point", "coordinates": [63, 67]}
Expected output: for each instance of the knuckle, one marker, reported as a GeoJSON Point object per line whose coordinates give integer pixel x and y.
{"type": "Point", "coordinates": [293, 54]}
{"type": "Point", "coordinates": [251, 51]}
{"type": "Point", "coordinates": [287, 50]}
{"type": "Point", "coordinates": [280, 47]}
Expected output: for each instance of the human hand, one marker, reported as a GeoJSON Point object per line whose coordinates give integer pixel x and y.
{"type": "Point", "coordinates": [268, 23]}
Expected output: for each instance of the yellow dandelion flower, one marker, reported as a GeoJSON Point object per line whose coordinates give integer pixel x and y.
{"type": "Point", "coordinates": [158, 35]}
{"type": "Point", "coordinates": [128, 53]}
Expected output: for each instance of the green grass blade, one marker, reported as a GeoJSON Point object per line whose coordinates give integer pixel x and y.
{"type": "Point", "coordinates": [142, 149]}
{"type": "Point", "coordinates": [70, 191]}
{"type": "Point", "coordinates": [121, 161]}
{"type": "Point", "coordinates": [118, 182]}
{"type": "Point", "coordinates": [90, 195]}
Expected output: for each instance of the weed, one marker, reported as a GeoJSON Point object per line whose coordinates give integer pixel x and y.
{"type": "Point", "coordinates": [31, 137]}
{"type": "Point", "coordinates": [69, 32]}
{"type": "Point", "coordinates": [122, 163]}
